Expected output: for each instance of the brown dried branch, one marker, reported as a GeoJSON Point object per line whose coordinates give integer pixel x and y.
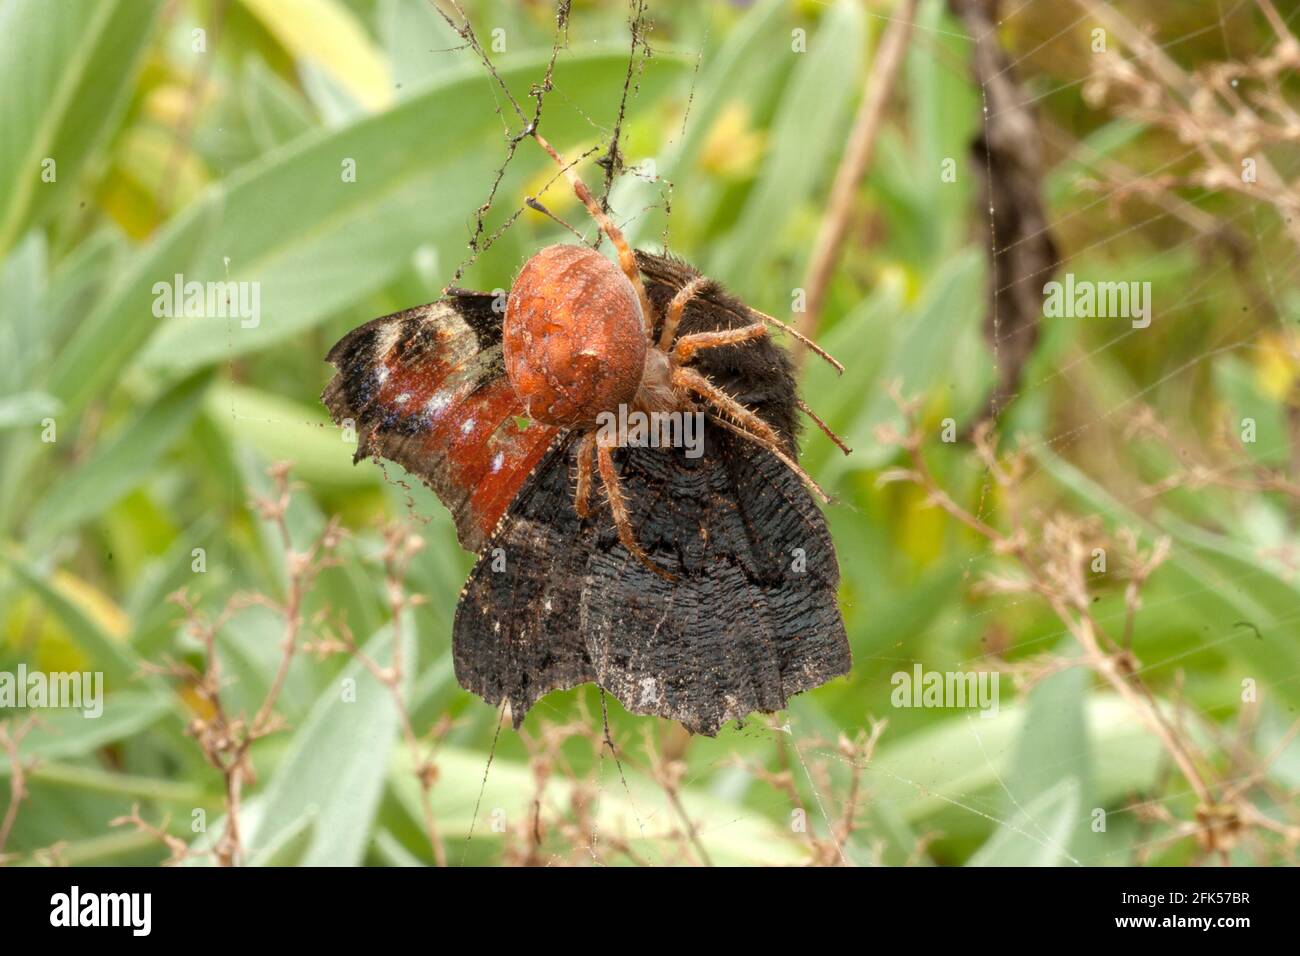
{"type": "Point", "coordinates": [224, 738]}
{"type": "Point", "coordinates": [178, 849]}
{"type": "Point", "coordinates": [11, 738]}
{"type": "Point", "coordinates": [668, 773]}
{"type": "Point", "coordinates": [401, 545]}
{"type": "Point", "coordinates": [1210, 110]}
{"type": "Point", "coordinates": [1007, 157]}
{"type": "Point", "coordinates": [1054, 568]}
{"type": "Point", "coordinates": [857, 157]}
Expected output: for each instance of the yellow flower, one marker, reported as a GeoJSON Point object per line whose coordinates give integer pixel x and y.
{"type": "Point", "coordinates": [733, 148]}
{"type": "Point", "coordinates": [1277, 365]}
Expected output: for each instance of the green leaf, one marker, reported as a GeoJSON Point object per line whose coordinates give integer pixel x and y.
{"type": "Point", "coordinates": [110, 783]}
{"type": "Point", "coordinates": [276, 114]}
{"type": "Point", "coordinates": [410, 31]}
{"type": "Point", "coordinates": [26, 408]}
{"type": "Point", "coordinates": [282, 430]}
{"type": "Point", "coordinates": [1273, 738]}
{"type": "Point", "coordinates": [732, 834]}
{"type": "Point", "coordinates": [806, 140]}
{"type": "Point", "coordinates": [335, 766]}
{"type": "Point", "coordinates": [1062, 183]}
{"type": "Point", "coordinates": [311, 242]}
{"type": "Point", "coordinates": [114, 657]}
{"type": "Point", "coordinates": [110, 846]}
{"type": "Point", "coordinates": [121, 464]}
{"type": "Point", "coordinates": [289, 848]}
{"type": "Point", "coordinates": [68, 733]}
{"type": "Point", "coordinates": [740, 72]}
{"type": "Point", "coordinates": [392, 851]}
{"type": "Point", "coordinates": [861, 340]}
{"type": "Point", "coordinates": [23, 286]}
{"type": "Point", "coordinates": [1038, 834]}
{"type": "Point", "coordinates": [146, 603]}
{"type": "Point", "coordinates": [327, 34]}
{"type": "Point", "coordinates": [942, 114]}
{"type": "Point", "coordinates": [1052, 748]}
{"type": "Point", "coordinates": [74, 284]}
{"type": "Point", "coordinates": [922, 357]}
{"type": "Point", "coordinates": [1224, 588]}
{"type": "Point", "coordinates": [1054, 743]}
{"type": "Point", "coordinates": [954, 768]}
{"type": "Point", "coordinates": [1236, 381]}
{"type": "Point", "coordinates": [111, 335]}
{"type": "Point", "coordinates": [66, 77]}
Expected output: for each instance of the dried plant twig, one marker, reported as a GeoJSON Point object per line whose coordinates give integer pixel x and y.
{"type": "Point", "coordinates": [11, 739]}
{"type": "Point", "coordinates": [857, 157]}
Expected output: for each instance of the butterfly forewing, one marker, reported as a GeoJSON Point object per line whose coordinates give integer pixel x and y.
{"type": "Point", "coordinates": [426, 388]}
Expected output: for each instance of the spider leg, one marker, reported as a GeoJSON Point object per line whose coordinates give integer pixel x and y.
{"type": "Point", "coordinates": [795, 333]}
{"type": "Point", "coordinates": [586, 450]}
{"type": "Point", "coordinates": [693, 381]}
{"type": "Point", "coordinates": [626, 260]}
{"type": "Point", "coordinates": [739, 419]}
{"type": "Point", "coordinates": [618, 508]}
{"type": "Point", "coordinates": [826, 429]}
{"type": "Point", "coordinates": [781, 456]}
{"type": "Point", "coordinates": [675, 309]}
{"type": "Point", "coordinates": [688, 345]}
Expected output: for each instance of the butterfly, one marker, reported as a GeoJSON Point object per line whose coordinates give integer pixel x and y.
{"type": "Point", "coordinates": [701, 587]}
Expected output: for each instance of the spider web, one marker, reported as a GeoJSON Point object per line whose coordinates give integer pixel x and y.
{"type": "Point", "coordinates": [481, 240]}
{"type": "Point", "coordinates": [1229, 341]}
{"type": "Point", "coordinates": [518, 120]}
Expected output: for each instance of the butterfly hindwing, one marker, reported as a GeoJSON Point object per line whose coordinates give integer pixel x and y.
{"type": "Point", "coordinates": [752, 618]}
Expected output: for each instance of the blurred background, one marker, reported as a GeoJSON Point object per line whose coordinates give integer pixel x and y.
{"type": "Point", "coordinates": [1129, 571]}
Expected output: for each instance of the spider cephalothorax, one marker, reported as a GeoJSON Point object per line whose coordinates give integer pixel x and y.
{"type": "Point", "coordinates": [579, 341]}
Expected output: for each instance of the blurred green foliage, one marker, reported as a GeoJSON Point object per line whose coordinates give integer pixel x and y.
{"type": "Point", "coordinates": [223, 163]}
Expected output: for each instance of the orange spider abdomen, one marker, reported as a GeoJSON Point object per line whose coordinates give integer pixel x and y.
{"type": "Point", "coordinates": [574, 338]}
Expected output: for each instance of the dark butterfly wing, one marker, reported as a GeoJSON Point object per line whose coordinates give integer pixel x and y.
{"type": "Point", "coordinates": [752, 619]}
{"type": "Point", "coordinates": [555, 602]}
{"type": "Point", "coordinates": [758, 374]}
{"type": "Point", "coordinates": [426, 388]}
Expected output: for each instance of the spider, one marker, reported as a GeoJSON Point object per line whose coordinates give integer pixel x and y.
{"type": "Point", "coordinates": [578, 342]}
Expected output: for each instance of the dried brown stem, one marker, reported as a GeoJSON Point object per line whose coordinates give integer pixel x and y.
{"type": "Point", "coordinates": [224, 738]}
{"type": "Point", "coordinates": [857, 157]}
{"type": "Point", "coordinates": [11, 738]}
{"type": "Point", "coordinates": [1056, 572]}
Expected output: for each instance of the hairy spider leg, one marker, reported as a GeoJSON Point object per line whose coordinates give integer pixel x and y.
{"type": "Point", "coordinates": [626, 260]}
{"type": "Point", "coordinates": [781, 456]}
{"type": "Point", "coordinates": [675, 309]}
{"type": "Point", "coordinates": [743, 421]}
{"type": "Point", "coordinates": [618, 507]}
{"type": "Point", "coordinates": [586, 452]}
{"type": "Point", "coordinates": [688, 345]}
{"type": "Point", "coordinates": [826, 429]}
{"type": "Point", "coordinates": [791, 331]}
